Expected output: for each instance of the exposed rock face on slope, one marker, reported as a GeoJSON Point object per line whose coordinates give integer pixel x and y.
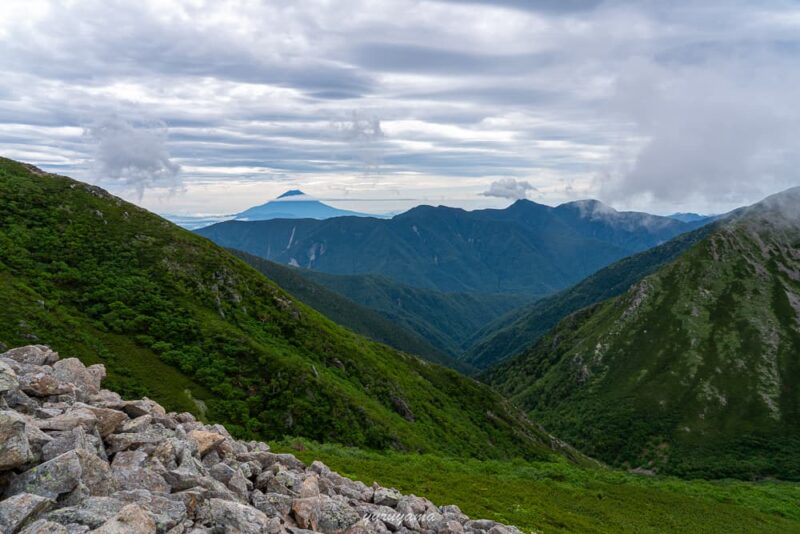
{"type": "Point", "coordinates": [76, 458]}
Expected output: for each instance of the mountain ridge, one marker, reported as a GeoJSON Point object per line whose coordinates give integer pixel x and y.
{"type": "Point", "coordinates": [179, 319]}
{"type": "Point", "coordinates": [525, 248]}
{"type": "Point", "coordinates": [692, 371]}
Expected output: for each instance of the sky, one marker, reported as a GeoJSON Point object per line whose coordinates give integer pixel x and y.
{"type": "Point", "coordinates": [210, 106]}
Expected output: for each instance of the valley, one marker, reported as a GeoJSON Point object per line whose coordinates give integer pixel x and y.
{"type": "Point", "coordinates": [226, 340]}
{"type": "Point", "coordinates": [399, 267]}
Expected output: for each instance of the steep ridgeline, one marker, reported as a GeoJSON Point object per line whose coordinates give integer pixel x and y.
{"type": "Point", "coordinates": [519, 329]}
{"type": "Point", "coordinates": [695, 370]}
{"type": "Point", "coordinates": [347, 313]}
{"type": "Point", "coordinates": [174, 316]}
{"type": "Point", "coordinates": [525, 248]}
{"type": "Point", "coordinates": [78, 458]}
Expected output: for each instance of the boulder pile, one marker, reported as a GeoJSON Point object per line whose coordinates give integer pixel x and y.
{"type": "Point", "coordinates": [77, 458]}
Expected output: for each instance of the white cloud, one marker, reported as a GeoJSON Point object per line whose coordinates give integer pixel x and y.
{"type": "Point", "coordinates": [132, 154]}
{"type": "Point", "coordinates": [681, 103]}
{"type": "Point", "coordinates": [509, 188]}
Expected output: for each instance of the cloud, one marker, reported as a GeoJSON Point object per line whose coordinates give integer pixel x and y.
{"type": "Point", "coordinates": [716, 128]}
{"type": "Point", "coordinates": [132, 154]}
{"type": "Point", "coordinates": [509, 188]}
{"type": "Point", "coordinates": [551, 6]}
{"type": "Point", "coordinates": [679, 106]}
{"type": "Point", "coordinates": [364, 138]}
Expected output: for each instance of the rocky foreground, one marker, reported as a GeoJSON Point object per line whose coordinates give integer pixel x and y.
{"type": "Point", "coordinates": [76, 458]}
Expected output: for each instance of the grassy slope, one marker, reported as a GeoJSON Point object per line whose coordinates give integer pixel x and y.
{"type": "Point", "coordinates": [521, 328]}
{"type": "Point", "coordinates": [694, 371]}
{"type": "Point", "coordinates": [347, 313]}
{"type": "Point", "coordinates": [169, 311]}
{"type": "Point", "coordinates": [557, 497]}
{"type": "Point", "coordinates": [447, 320]}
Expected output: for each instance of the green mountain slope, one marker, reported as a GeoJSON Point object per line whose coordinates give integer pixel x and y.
{"type": "Point", "coordinates": [345, 312]}
{"type": "Point", "coordinates": [180, 319]}
{"type": "Point", "coordinates": [695, 370]}
{"type": "Point", "coordinates": [446, 320]}
{"type": "Point", "coordinates": [522, 327]}
{"type": "Point", "coordinates": [526, 248]}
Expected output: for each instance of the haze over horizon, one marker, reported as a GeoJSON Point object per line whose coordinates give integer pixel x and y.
{"type": "Point", "coordinates": [193, 107]}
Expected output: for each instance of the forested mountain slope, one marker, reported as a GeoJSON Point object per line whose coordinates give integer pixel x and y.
{"type": "Point", "coordinates": [510, 334]}
{"type": "Point", "coordinates": [526, 248]}
{"type": "Point", "coordinates": [175, 317]}
{"type": "Point", "coordinates": [695, 370]}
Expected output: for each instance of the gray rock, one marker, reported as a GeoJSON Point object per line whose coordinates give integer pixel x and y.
{"type": "Point", "coordinates": [272, 504]}
{"type": "Point", "coordinates": [20, 402]}
{"type": "Point", "coordinates": [91, 512]}
{"type": "Point", "coordinates": [170, 473]}
{"type": "Point", "coordinates": [411, 504]}
{"type": "Point", "coordinates": [480, 524]}
{"type": "Point", "coordinates": [386, 496]}
{"type": "Point", "coordinates": [140, 424]}
{"type": "Point", "coordinates": [189, 473]}
{"type": "Point", "coordinates": [233, 517]}
{"type": "Point", "coordinates": [454, 513]}
{"type": "Point", "coordinates": [80, 417]}
{"type": "Point", "coordinates": [239, 485]}
{"type": "Point", "coordinates": [167, 512]}
{"type": "Point", "coordinates": [62, 474]}
{"type": "Point", "coordinates": [145, 406]}
{"type": "Point", "coordinates": [365, 526]}
{"type": "Point", "coordinates": [324, 514]}
{"type": "Point", "coordinates": [43, 383]}
{"type": "Point", "coordinates": [504, 529]}
{"type": "Point", "coordinates": [131, 470]}
{"type": "Point", "coordinates": [130, 520]}
{"type": "Point", "coordinates": [121, 442]}
{"type": "Point", "coordinates": [72, 371]}
{"type": "Point", "coordinates": [221, 472]}
{"type": "Point", "coordinates": [432, 521]}
{"type": "Point", "coordinates": [107, 419]}
{"type": "Point", "coordinates": [281, 480]}
{"type": "Point", "coordinates": [77, 438]}
{"type": "Point", "coordinates": [8, 378]}
{"type": "Point", "coordinates": [206, 441]}
{"type": "Point", "coordinates": [43, 526]}
{"type": "Point", "coordinates": [37, 440]}
{"type": "Point", "coordinates": [105, 398]}
{"type": "Point", "coordinates": [20, 509]}
{"type": "Point", "coordinates": [15, 450]}
{"type": "Point", "coordinates": [32, 355]}
{"type": "Point", "coordinates": [451, 527]}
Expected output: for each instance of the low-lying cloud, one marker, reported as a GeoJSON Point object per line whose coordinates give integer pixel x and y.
{"type": "Point", "coordinates": [510, 188]}
{"type": "Point", "coordinates": [713, 128]}
{"type": "Point", "coordinates": [132, 154]}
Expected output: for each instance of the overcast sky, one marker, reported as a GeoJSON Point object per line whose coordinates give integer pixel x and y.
{"type": "Point", "coordinates": [212, 106]}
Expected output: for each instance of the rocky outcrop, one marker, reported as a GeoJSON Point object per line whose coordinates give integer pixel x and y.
{"type": "Point", "coordinates": [76, 458]}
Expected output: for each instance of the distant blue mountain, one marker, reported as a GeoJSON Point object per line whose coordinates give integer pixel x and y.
{"type": "Point", "coordinates": [526, 248]}
{"type": "Point", "coordinates": [295, 204]}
